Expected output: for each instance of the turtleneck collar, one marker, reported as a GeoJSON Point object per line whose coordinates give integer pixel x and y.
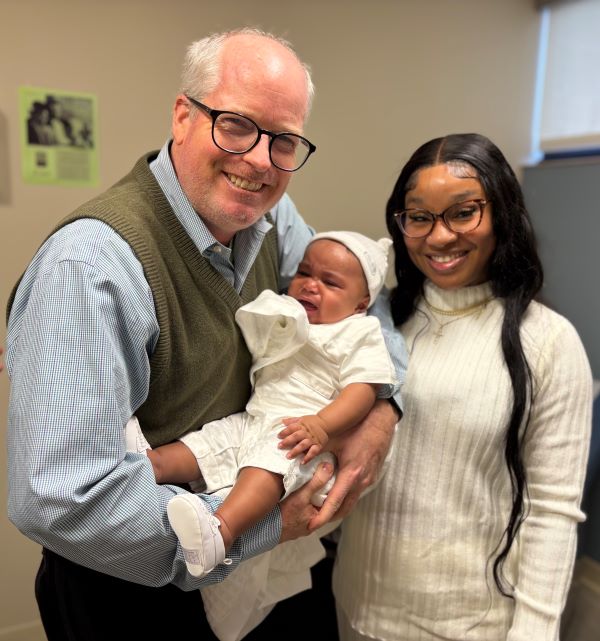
{"type": "Point", "coordinates": [452, 299]}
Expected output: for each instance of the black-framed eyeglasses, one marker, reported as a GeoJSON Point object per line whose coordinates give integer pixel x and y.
{"type": "Point", "coordinates": [238, 134]}
{"type": "Point", "coordinates": [460, 218]}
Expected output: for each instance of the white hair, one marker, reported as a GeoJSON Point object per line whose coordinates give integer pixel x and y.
{"type": "Point", "coordinates": [202, 64]}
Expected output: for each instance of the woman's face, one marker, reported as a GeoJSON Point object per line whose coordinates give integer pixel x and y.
{"type": "Point", "coordinates": [450, 260]}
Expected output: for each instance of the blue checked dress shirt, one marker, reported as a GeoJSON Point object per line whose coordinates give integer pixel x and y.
{"type": "Point", "coordinates": [81, 331]}
{"type": "Point", "coordinates": [80, 335]}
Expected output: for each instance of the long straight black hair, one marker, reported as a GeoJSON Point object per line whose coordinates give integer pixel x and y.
{"type": "Point", "coordinates": [515, 273]}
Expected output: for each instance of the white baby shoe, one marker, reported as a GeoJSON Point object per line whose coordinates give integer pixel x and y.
{"type": "Point", "coordinates": [198, 532]}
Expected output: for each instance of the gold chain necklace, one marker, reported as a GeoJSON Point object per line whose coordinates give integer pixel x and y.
{"type": "Point", "coordinates": [456, 313]}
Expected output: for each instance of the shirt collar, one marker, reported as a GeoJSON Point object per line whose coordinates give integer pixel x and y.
{"type": "Point", "coordinates": [233, 263]}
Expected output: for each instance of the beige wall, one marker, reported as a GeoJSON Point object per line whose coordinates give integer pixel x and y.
{"type": "Point", "coordinates": [390, 74]}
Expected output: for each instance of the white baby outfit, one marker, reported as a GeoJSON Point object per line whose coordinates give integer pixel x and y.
{"type": "Point", "coordinates": [298, 369]}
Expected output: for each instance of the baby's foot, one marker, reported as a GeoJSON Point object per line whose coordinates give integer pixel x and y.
{"type": "Point", "coordinates": [198, 532]}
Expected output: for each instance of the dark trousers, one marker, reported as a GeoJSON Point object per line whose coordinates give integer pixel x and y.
{"type": "Point", "coordinates": [79, 604]}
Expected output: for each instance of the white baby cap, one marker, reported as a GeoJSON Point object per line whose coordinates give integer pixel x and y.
{"type": "Point", "coordinates": [372, 254]}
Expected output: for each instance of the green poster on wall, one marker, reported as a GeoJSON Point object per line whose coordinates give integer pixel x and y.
{"type": "Point", "coordinates": [59, 137]}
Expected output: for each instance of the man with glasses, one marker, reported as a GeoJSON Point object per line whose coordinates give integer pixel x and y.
{"type": "Point", "coordinates": [128, 308]}
{"type": "Point", "coordinates": [238, 134]}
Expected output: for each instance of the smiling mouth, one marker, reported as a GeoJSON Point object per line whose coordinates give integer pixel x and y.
{"type": "Point", "coordinates": [243, 183]}
{"type": "Point", "coordinates": [446, 261]}
{"type": "Point", "coordinates": [446, 258]}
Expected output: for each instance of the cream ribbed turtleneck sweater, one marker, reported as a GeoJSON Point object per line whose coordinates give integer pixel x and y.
{"type": "Point", "coordinates": [413, 561]}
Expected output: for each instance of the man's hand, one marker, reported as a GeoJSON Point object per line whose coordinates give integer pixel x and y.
{"type": "Point", "coordinates": [304, 434]}
{"type": "Point", "coordinates": [360, 454]}
{"type": "Point", "coordinates": [297, 512]}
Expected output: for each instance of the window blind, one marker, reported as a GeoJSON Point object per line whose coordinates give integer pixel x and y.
{"type": "Point", "coordinates": [570, 113]}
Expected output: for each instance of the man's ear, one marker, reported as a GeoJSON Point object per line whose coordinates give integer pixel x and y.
{"type": "Point", "coordinates": [181, 119]}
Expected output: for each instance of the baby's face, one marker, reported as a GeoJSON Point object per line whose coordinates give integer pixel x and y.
{"type": "Point", "coordinates": [330, 283]}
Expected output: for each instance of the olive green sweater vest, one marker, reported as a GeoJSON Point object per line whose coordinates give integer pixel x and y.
{"type": "Point", "coordinates": [199, 369]}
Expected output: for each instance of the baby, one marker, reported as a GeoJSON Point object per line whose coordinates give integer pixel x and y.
{"type": "Point", "coordinates": [315, 353]}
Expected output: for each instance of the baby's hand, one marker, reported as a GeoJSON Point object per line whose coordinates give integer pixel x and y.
{"type": "Point", "coordinates": [304, 434]}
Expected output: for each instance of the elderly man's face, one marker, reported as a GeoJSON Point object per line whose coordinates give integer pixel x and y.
{"type": "Point", "coordinates": [230, 192]}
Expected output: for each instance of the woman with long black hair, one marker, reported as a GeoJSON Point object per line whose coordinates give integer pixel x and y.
{"type": "Point", "coordinates": [472, 532]}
